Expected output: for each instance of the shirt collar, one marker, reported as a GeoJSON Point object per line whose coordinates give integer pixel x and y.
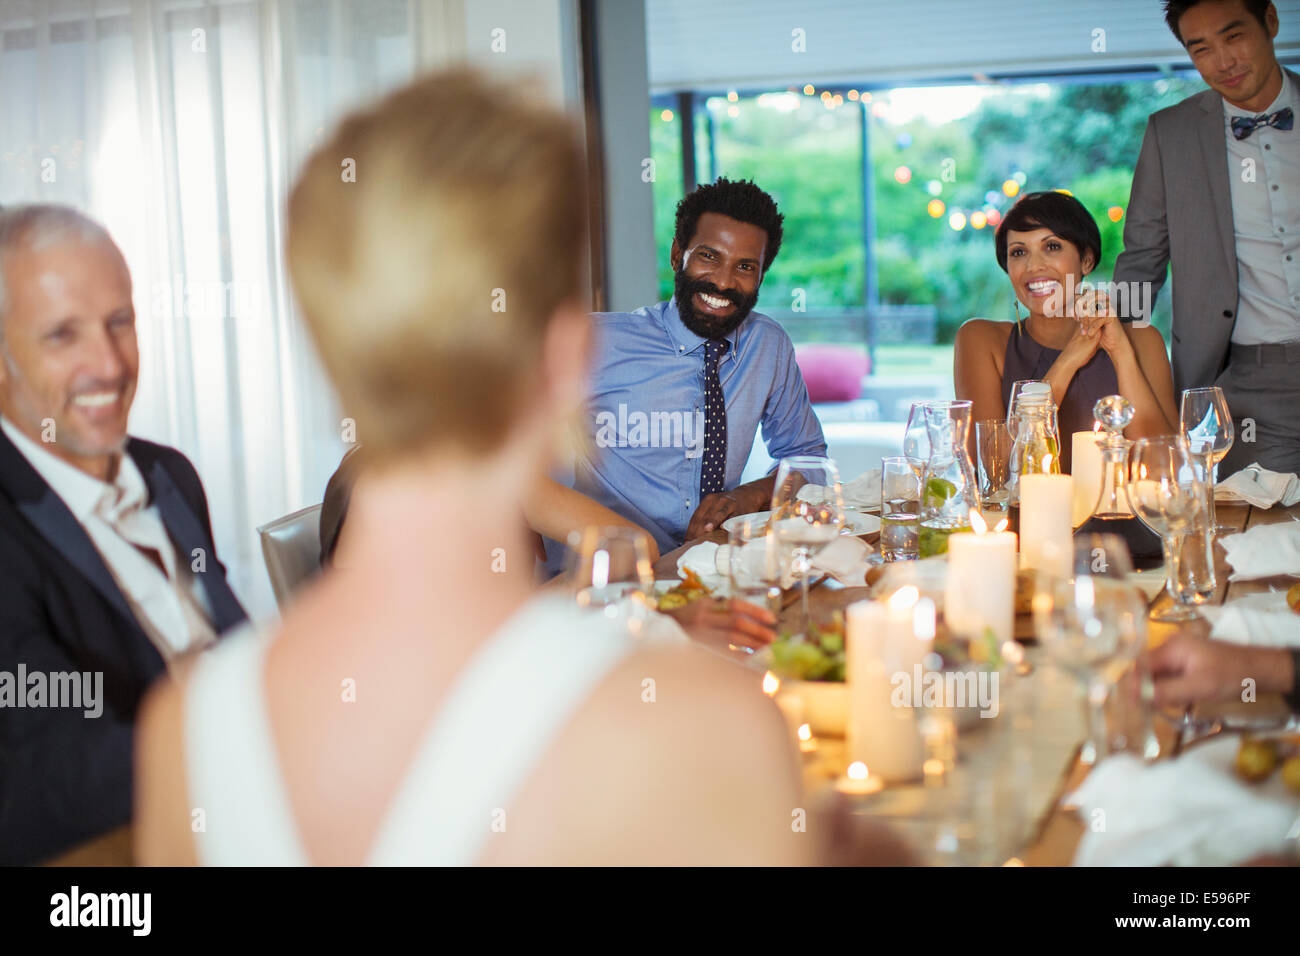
{"type": "Point", "coordinates": [685, 341]}
{"type": "Point", "coordinates": [84, 494]}
{"type": "Point", "coordinates": [1285, 97]}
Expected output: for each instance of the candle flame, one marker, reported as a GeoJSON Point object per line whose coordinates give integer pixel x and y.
{"type": "Point", "coordinates": [771, 684]}
{"type": "Point", "coordinates": [858, 771]}
{"type": "Point", "coordinates": [1002, 525]}
{"type": "Point", "coordinates": [904, 597]}
{"type": "Point", "coordinates": [1047, 464]}
{"type": "Point", "coordinates": [805, 732]}
{"type": "Point", "coordinates": [977, 522]}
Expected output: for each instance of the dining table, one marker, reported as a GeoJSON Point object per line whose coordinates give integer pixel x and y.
{"type": "Point", "coordinates": [1005, 799]}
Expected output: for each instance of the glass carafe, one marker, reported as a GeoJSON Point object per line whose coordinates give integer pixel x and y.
{"type": "Point", "coordinates": [1112, 514]}
{"type": "Point", "coordinates": [1036, 444]}
{"type": "Point", "coordinates": [948, 488]}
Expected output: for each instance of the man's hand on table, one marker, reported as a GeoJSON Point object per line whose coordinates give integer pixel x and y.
{"type": "Point", "coordinates": [718, 507]}
{"type": "Point", "coordinates": [1188, 670]}
{"type": "Point", "coordinates": [719, 623]}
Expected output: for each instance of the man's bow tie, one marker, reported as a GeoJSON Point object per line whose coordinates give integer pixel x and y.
{"type": "Point", "coordinates": [1243, 126]}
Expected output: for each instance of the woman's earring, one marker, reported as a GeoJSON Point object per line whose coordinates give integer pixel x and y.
{"type": "Point", "coordinates": [1015, 304]}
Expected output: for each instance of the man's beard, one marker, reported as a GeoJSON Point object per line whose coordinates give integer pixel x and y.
{"type": "Point", "coordinates": [708, 326]}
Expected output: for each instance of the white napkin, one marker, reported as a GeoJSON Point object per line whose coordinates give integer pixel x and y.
{"type": "Point", "coordinates": [1261, 487]}
{"type": "Point", "coordinates": [1264, 619]}
{"type": "Point", "coordinates": [844, 559]}
{"type": "Point", "coordinates": [862, 492]}
{"type": "Point", "coordinates": [1264, 551]}
{"type": "Point", "coordinates": [708, 560]}
{"type": "Point", "coordinates": [1192, 811]}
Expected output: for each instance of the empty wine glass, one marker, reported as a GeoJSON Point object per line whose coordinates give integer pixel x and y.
{"type": "Point", "coordinates": [1206, 423]}
{"type": "Point", "coordinates": [1167, 490]}
{"type": "Point", "coordinates": [806, 519]}
{"type": "Point", "coordinates": [993, 448]}
{"type": "Point", "coordinates": [1092, 623]}
{"type": "Point", "coordinates": [610, 571]}
{"type": "Point", "coordinates": [916, 438]}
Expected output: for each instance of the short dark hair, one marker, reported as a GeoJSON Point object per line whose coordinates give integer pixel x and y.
{"type": "Point", "coordinates": [1174, 10]}
{"type": "Point", "coordinates": [1053, 210]}
{"type": "Point", "coordinates": [737, 199]}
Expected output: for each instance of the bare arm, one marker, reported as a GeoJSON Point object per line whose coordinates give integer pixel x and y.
{"type": "Point", "coordinates": [554, 510]}
{"type": "Point", "coordinates": [162, 819]}
{"type": "Point", "coordinates": [1146, 380]}
{"type": "Point", "coordinates": [977, 371]}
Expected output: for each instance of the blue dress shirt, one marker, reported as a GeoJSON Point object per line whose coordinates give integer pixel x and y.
{"type": "Point", "coordinates": [644, 423]}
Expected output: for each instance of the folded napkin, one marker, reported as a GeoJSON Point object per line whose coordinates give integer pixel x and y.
{"type": "Point", "coordinates": [1259, 486]}
{"type": "Point", "coordinates": [844, 559]}
{"type": "Point", "coordinates": [1264, 551]}
{"type": "Point", "coordinates": [1264, 619]}
{"type": "Point", "coordinates": [1192, 811]}
{"type": "Point", "coordinates": [862, 492]}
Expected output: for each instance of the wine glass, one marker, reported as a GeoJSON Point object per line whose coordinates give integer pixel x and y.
{"type": "Point", "coordinates": [754, 563]}
{"type": "Point", "coordinates": [610, 572]}
{"type": "Point", "coordinates": [993, 448]}
{"type": "Point", "coordinates": [1092, 623]}
{"type": "Point", "coordinates": [1167, 491]}
{"type": "Point", "coordinates": [806, 519]}
{"type": "Point", "coordinates": [916, 438]}
{"type": "Point", "coordinates": [1207, 425]}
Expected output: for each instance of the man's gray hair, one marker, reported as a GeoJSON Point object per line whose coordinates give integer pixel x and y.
{"type": "Point", "coordinates": [37, 226]}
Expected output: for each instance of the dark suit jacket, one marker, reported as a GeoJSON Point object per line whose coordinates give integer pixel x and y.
{"type": "Point", "coordinates": [65, 777]}
{"type": "Point", "coordinates": [1180, 212]}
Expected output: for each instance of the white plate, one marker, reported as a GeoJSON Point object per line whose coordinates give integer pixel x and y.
{"type": "Point", "coordinates": [855, 522]}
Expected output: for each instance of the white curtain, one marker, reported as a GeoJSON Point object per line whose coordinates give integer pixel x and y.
{"type": "Point", "coordinates": [180, 125]}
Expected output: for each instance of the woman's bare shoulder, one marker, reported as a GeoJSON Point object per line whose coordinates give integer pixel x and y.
{"type": "Point", "coordinates": [985, 331]}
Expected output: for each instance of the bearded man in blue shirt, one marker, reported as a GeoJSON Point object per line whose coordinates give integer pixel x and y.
{"type": "Point", "coordinates": [679, 389]}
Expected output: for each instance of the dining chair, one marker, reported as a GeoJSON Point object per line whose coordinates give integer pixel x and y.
{"type": "Point", "coordinates": [291, 549]}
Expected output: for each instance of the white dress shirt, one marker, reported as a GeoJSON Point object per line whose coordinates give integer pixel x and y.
{"type": "Point", "coordinates": [1266, 225]}
{"type": "Point", "coordinates": [171, 608]}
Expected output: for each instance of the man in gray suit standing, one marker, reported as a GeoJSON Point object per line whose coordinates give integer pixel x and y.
{"type": "Point", "coordinates": [1216, 194]}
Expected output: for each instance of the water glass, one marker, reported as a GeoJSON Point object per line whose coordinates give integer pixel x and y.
{"type": "Point", "coordinates": [900, 509]}
{"type": "Point", "coordinates": [610, 572]}
{"type": "Point", "coordinates": [754, 564]}
{"type": "Point", "coordinates": [993, 448]}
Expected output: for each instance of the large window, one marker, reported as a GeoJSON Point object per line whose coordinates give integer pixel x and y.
{"type": "Point", "coordinates": [894, 253]}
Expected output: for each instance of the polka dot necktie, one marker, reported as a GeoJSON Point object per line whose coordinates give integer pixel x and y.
{"type": "Point", "coordinates": [713, 467]}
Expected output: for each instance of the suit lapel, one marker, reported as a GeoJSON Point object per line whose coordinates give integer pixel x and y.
{"type": "Point", "coordinates": [47, 513]}
{"type": "Point", "coordinates": [187, 534]}
{"type": "Point", "coordinates": [1214, 148]}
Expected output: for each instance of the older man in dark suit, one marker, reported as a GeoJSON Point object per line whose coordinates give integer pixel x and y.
{"type": "Point", "coordinates": [107, 569]}
{"type": "Point", "coordinates": [1216, 193]}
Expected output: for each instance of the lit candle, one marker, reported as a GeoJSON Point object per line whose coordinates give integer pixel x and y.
{"type": "Point", "coordinates": [858, 781]}
{"type": "Point", "coordinates": [981, 587]}
{"type": "Point", "coordinates": [791, 704]}
{"type": "Point", "coordinates": [881, 643]}
{"type": "Point", "coordinates": [1045, 531]}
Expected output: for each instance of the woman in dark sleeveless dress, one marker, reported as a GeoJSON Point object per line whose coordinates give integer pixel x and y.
{"type": "Point", "coordinates": [1071, 339]}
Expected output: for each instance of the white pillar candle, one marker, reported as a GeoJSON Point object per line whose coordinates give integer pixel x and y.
{"type": "Point", "coordinates": [1045, 532]}
{"type": "Point", "coordinates": [881, 641]}
{"type": "Point", "coordinates": [1085, 468]}
{"type": "Point", "coordinates": [981, 587]}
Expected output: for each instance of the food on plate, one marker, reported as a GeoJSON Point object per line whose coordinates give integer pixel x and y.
{"type": "Point", "coordinates": [1291, 773]}
{"type": "Point", "coordinates": [1256, 759]}
{"type": "Point", "coordinates": [819, 657]}
{"type": "Point", "coordinates": [680, 595]}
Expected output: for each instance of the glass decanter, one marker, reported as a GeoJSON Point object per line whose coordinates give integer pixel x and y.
{"type": "Point", "coordinates": [1112, 514]}
{"type": "Point", "coordinates": [1036, 446]}
{"type": "Point", "coordinates": [948, 488]}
